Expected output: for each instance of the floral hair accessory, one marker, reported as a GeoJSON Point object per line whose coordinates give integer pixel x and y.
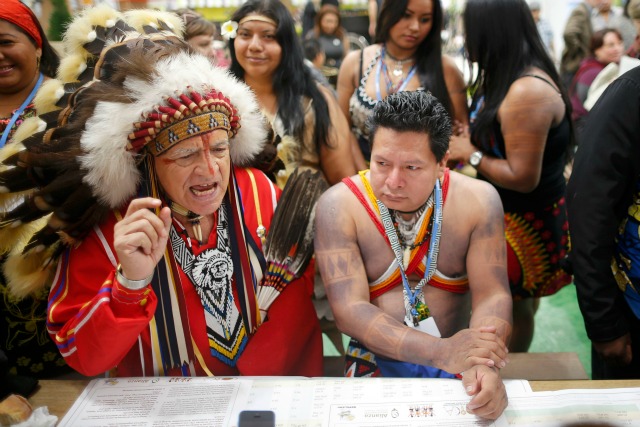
{"type": "Point", "coordinates": [229, 30]}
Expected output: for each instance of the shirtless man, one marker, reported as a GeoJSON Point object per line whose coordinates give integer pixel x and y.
{"type": "Point", "coordinates": [466, 298]}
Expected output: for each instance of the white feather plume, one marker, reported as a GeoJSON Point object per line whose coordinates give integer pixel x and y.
{"type": "Point", "coordinates": [138, 18]}
{"type": "Point", "coordinates": [81, 30]}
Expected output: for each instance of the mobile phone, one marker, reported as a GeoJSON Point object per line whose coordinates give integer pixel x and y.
{"type": "Point", "coordinates": [257, 419]}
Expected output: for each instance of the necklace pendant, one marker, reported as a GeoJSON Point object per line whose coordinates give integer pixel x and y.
{"type": "Point", "coordinates": [423, 310]}
{"type": "Point", "coordinates": [406, 257]}
{"type": "Point", "coordinates": [397, 72]}
{"type": "Point", "coordinates": [416, 320]}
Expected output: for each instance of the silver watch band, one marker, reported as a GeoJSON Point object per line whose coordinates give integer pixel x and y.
{"type": "Point", "coordinates": [134, 285]}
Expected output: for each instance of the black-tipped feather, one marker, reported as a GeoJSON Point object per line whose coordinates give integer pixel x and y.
{"type": "Point", "coordinates": [16, 179]}
{"type": "Point", "coordinates": [23, 213]}
{"type": "Point", "coordinates": [44, 238]}
{"type": "Point", "coordinates": [293, 221]}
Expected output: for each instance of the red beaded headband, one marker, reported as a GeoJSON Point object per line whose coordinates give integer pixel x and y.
{"type": "Point", "coordinates": [183, 117]}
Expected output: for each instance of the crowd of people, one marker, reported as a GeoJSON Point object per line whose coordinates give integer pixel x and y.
{"type": "Point", "coordinates": [165, 208]}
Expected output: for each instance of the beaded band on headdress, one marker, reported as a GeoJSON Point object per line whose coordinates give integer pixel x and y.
{"type": "Point", "coordinates": [183, 117]}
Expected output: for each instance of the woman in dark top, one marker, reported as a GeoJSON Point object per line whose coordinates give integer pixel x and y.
{"type": "Point", "coordinates": [328, 30]}
{"type": "Point", "coordinates": [521, 134]}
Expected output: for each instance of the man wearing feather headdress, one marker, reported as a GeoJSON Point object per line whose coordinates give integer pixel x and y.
{"type": "Point", "coordinates": [138, 191]}
{"type": "Point", "coordinates": [413, 259]}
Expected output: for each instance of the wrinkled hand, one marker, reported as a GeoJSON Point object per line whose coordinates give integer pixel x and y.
{"type": "Point", "coordinates": [489, 394]}
{"type": "Point", "coordinates": [471, 347]}
{"type": "Point", "coordinates": [617, 352]}
{"type": "Point", "coordinates": [140, 238]}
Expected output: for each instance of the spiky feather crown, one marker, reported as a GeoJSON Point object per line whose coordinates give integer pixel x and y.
{"type": "Point", "coordinates": [126, 80]}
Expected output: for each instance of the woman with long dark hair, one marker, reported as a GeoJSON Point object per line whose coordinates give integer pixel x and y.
{"type": "Point", "coordinates": [407, 55]}
{"type": "Point", "coordinates": [309, 128]}
{"type": "Point", "coordinates": [521, 135]}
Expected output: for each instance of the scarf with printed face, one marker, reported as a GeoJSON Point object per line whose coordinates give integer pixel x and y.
{"type": "Point", "coordinates": [236, 264]}
{"type": "Point", "coordinates": [211, 273]}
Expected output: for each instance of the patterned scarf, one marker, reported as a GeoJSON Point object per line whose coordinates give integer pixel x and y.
{"type": "Point", "coordinates": [211, 273]}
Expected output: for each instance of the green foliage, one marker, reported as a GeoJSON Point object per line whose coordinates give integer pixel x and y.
{"type": "Point", "coordinates": [60, 18]}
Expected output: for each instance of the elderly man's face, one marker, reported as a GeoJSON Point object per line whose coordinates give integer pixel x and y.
{"type": "Point", "coordinates": [195, 172]}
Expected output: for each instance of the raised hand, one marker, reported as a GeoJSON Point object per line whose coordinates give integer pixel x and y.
{"type": "Point", "coordinates": [140, 238]}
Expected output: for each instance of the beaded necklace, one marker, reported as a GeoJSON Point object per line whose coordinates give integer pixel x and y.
{"type": "Point", "coordinates": [416, 308]}
{"type": "Point", "coordinates": [409, 232]}
{"type": "Point", "coordinates": [410, 246]}
{"type": "Point", "coordinates": [391, 88]}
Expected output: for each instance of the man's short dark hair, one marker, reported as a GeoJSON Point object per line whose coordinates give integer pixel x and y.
{"type": "Point", "coordinates": [312, 48]}
{"type": "Point", "coordinates": [414, 111]}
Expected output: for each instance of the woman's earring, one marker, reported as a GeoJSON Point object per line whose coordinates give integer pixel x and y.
{"type": "Point", "coordinates": [38, 62]}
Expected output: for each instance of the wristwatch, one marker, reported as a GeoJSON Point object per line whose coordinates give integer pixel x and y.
{"type": "Point", "coordinates": [476, 158]}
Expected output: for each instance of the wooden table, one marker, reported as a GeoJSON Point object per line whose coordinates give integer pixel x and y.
{"type": "Point", "coordinates": [59, 395]}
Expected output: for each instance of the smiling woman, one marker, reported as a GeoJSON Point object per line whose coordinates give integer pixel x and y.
{"type": "Point", "coordinates": [309, 130]}
{"type": "Point", "coordinates": [26, 60]}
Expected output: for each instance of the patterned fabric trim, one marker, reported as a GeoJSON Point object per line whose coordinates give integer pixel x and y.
{"type": "Point", "coordinates": [537, 244]}
{"type": "Point", "coordinates": [360, 362]}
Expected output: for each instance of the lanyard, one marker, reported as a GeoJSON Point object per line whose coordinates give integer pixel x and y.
{"type": "Point", "coordinates": [411, 297]}
{"type": "Point", "coordinates": [403, 83]}
{"type": "Point", "coordinates": [18, 112]}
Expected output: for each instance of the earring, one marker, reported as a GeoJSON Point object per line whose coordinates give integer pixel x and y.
{"type": "Point", "coordinates": [37, 62]}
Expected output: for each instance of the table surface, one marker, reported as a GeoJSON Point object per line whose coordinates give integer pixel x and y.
{"type": "Point", "coordinates": [59, 395]}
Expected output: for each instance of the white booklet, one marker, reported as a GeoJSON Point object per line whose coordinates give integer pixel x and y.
{"type": "Point", "coordinates": [296, 401]}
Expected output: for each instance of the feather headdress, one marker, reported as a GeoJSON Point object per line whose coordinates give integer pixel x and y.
{"type": "Point", "coordinates": [127, 80]}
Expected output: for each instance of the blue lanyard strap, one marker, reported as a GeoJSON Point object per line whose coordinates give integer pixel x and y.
{"type": "Point", "coordinates": [18, 112]}
{"type": "Point", "coordinates": [401, 85]}
{"type": "Point", "coordinates": [412, 296]}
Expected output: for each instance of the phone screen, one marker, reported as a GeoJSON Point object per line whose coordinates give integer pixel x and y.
{"type": "Point", "coordinates": [257, 419]}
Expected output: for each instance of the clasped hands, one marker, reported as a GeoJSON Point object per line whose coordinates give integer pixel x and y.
{"type": "Point", "coordinates": [478, 354]}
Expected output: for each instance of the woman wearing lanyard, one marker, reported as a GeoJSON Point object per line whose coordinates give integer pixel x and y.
{"type": "Point", "coordinates": [26, 60]}
{"type": "Point", "coordinates": [407, 56]}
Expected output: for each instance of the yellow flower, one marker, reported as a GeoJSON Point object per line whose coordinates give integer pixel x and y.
{"type": "Point", "coordinates": [23, 361]}
{"type": "Point", "coordinates": [229, 29]}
